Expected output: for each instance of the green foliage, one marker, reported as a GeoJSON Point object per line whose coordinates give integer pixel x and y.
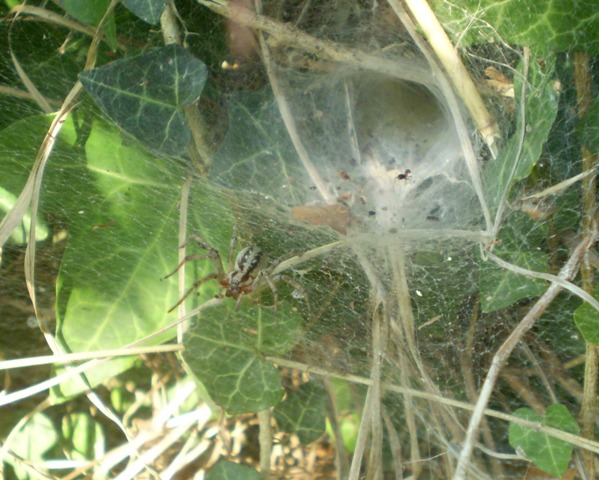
{"type": "Point", "coordinates": [91, 12]}
{"type": "Point", "coordinates": [16, 160]}
{"type": "Point", "coordinates": [148, 10]}
{"type": "Point", "coordinates": [84, 436]}
{"type": "Point", "coordinates": [500, 288]}
{"type": "Point", "coordinates": [547, 26]}
{"type": "Point", "coordinates": [32, 442]}
{"type": "Point", "coordinates": [520, 244]}
{"type": "Point", "coordinates": [548, 453]}
{"type": "Point", "coordinates": [225, 350]}
{"type": "Point", "coordinates": [145, 95]}
{"type": "Point", "coordinates": [303, 412]}
{"type": "Point", "coordinates": [232, 471]}
{"type": "Point", "coordinates": [257, 152]}
{"type": "Point", "coordinates": [120, 207]}
{"type": "Point", "coordinates": [524, 147]}
{"type": "Point", "coordinates": [587, 321]}
{"type": "Point", "coordinates": [110, 289]}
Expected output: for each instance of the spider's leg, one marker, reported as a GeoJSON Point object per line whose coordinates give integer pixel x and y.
{"type": "Point", "coordinates": [212, 255]}
{"type": "Point", "coordinates": [199, 240]}
{"type": "Point", "coordinates": [232, 248]}
{"type": "Point", "coordinates": [195, 286]}
{"type": "Point", "coordinates": [188, 258]}
{"type": "Point", "coordinates": [238, 302]}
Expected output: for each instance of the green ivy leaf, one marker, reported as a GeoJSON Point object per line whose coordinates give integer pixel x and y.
{"type": "Point", "coordinates": [85, 436]}
{"type": "Point", "coordinates": [547, 26]}
{"type": "Point", "coordinates": [303, 412]}
{"type": "Point", "coordinates": [225, 352]}
{"type": "Point", "coordinates": [541, 111]}
{"type": "Point", "coordinates": [148, 10]}
{"type": "Point", "coordinates": [586, 318]}
{"type": "Point", "coordinates": [145, 95]}
{"type": "Point", "coordinates": [31, 443]}
{"type": "Point", "coordinates": [257, 153]}
{"type": "Point", "coordinates": [91, 12]}
{"type": "Point", "coordinates": [500, 288]}
{"type": "Point", "coordinates": [225, 470]}
{"type": "Point", "coordinates": [548, 453]}
{"type": "Point", "coordinates": [111, 290]}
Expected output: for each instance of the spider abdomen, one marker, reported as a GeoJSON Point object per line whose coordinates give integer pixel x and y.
{"type": "Point", "coordinates": [241, 280]}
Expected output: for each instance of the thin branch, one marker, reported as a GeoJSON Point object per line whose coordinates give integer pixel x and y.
{"type": "Point", "coordinates": [588, 411]}
{"type": "Point", "coordinates": [505, 351]}
{"type": "Point", "coordinates": [576, 440]}
{"type": "Point", "coordinates": [283, 33]}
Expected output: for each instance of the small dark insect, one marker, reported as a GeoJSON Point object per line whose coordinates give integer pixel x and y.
{"type": "Point", "coordinates": [433, 218]}
{"type": "Point", "coordinates": [343, 174]}
{"type": "Point", "coordinates": [407, 175]}
{"type": "Point", "coordinates": [371, 213]}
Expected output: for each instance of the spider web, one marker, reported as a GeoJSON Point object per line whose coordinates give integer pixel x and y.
{"type": "Point", "coordinates": [353, 173]}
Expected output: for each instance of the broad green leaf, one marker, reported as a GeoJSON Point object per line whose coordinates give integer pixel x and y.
{"type": "Point", "coordinates": [587, 321]}
{"type": "Point", "coordinates": [548, 453]}
{"type": "Point", "coordinates": [540, 111]}
{"type": "Point", "coordinates": [303, 412]}
{"type": "Point", "coordinates": [225, 349]}
{"type": "Point", "coordinates": [546, 26]}
{"type": "Point", "coordinates": [145, 95]}
{"type": "Point", "coordinates": [257, 153]}
{"type": "Point", "coordinates": [111, 290]}
{"type": "Point", "coordinates": [31, 443]}
{"type": "Point", "coordinates": [225, 470]}
{"type": "Point", "coordinates": [85, 436]}
{"type": "Point", "coordinates": [91, 12]}
{"type": "Point", "coordinates": [148, 10]}
{"type": "Point", "coordinates": [500, 288]}
{"type": "Point", "coordinates": [121, 399]}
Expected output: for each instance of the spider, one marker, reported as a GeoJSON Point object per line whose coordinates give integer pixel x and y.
{"type": "Point", "coordinates": [244, 275]}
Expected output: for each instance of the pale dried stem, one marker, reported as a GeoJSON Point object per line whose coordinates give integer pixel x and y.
{"type": "Point", "coordinates": [265, 440]}
{"type": "Point", "coordinates": [462, 82]}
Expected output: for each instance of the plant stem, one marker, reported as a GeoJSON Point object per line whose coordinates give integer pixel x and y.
{"type": "Point", "coordinates": [588, 409]}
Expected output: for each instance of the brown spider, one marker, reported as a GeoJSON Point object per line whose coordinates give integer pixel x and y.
{"type": "Point", "coordinates": [244, 275]}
